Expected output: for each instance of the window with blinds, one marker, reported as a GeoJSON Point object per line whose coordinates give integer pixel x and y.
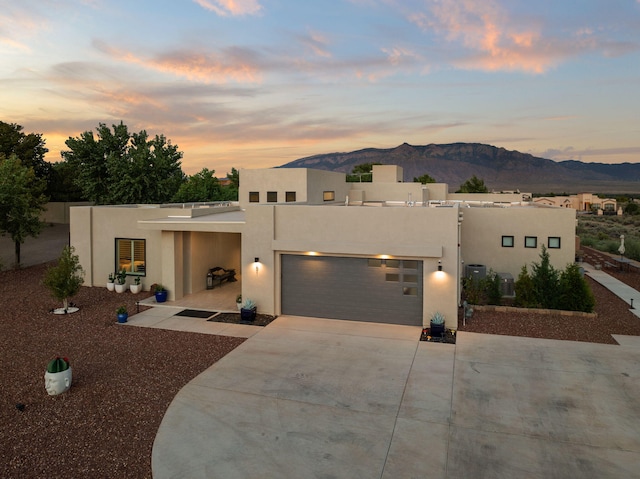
{"type": "Point", "coordinates": [131, 256]}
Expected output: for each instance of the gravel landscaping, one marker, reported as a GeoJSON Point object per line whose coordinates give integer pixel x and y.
{"type": "Point", "coordinates": [125, 377]}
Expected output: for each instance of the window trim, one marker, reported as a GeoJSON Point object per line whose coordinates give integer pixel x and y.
{"type": "Point", "coordinates": [254, 197]}
{"type": "Point", "coordinates": [132, 260]}
{"type": "Point", "coordinates": [550, 238]}
{"type": "Point", "coordinates": [505, 241]}
{"type": "Point", "coordinates": [535, 241]}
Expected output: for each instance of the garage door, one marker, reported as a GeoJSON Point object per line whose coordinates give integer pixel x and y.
{"type": "Point", "coordinates": [359, 289]}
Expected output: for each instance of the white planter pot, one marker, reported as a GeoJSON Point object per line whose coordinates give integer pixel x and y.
{"type": "Point", "coordinates": [135, 288]}
{"type": "Point", "coordinates": [239, 306]}
{"type": "Point", "coordinates": [111, 286]}
{"type": "Point", "coordinates": [121, 288]}
{"type": "Point", "coordinates": [57, 383]}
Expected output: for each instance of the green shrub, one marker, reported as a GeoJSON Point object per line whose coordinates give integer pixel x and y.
{"type": "Point", "coordinates": [574, 293]}
{"type": "Point", "coordinates": [545, 281]}
{"type": "Point", "coordinates": [525, 296]}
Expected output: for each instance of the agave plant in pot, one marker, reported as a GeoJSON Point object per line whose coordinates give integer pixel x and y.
{"type": "Point", "coordinates": [248, 311]}
{"type": "Point", "coordinates": [437, 325]}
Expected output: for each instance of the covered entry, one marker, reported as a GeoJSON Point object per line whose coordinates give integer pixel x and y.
{"type": "Point", "coordinates": [360, 289]}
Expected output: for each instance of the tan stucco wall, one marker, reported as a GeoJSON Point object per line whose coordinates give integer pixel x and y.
{"type": "Point", "coordinates": [489, 197]}
{"type": "Point", "coordinates": [208, 250]}
{"type": "Point", "coordinates": [93, 231]}
{"type": "Point", "coordinates": [58, 212]}
{"type": "Point", "coordinates": [427, 234]}
{"type": "Point", "coordinates": [483, 228]}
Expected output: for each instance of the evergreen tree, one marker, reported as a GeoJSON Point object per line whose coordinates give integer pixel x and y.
{"type": "Point", "coordinates": [65, 278]}
{"type": "Point", "coordinates": [545, 281]}
{"type": "Point", "coordinates": [424, 179]}
{"type": "Point", "coordinates": [574, 291]}
{"type": "Point", "coordinates": [473, 185]}
{"type": "Point", "coordinates": [525, 295]}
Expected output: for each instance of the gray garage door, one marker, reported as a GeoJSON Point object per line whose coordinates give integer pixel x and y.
{"type": "Point", "coordinates": [360, 289]}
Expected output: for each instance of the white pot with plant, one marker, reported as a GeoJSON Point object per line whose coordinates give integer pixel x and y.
{"type": "Point", "coordinates": [239, 302]}
{"type": "Point", "coordinates": [136, 287]}
{"type": "Point", "coordinates": [121, 281]}
{"type": "Point", "coordinates": [111, 282]}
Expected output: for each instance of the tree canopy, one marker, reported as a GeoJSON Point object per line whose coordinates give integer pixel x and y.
{"type": "Point", "coordinates": [362, 173]}
{"type": "Point", "coordinates": [424, 179]}
{"type": "Point", "coordinates": [473, 185]}
{"type": "Point", "coordinates": [123, 168]}
{"type": "Point", "coordinates": [66, 277]}
{"type": "Point", "coordinates": [22, 200]}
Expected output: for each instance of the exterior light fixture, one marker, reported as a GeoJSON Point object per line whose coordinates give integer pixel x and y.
{"type": "Point", "coordinates": [257, 260]}
{"type": "Point", "coordinates": [257, 263]}
{"type": "Point", "coordinates": [439, 265]}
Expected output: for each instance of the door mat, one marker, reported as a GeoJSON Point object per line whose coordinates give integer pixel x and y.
{"type": "Point", "coordinates": [195, 313]}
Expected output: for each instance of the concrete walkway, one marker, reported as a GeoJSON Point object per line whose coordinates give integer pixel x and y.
{"type": "Point", "coordinates": [322, 398]}
{"type": "Point", "coordinates": [624, 292]}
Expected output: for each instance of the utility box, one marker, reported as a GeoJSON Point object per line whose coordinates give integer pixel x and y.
{"type": "Point", "coordinates": [475, 271]}
{"type": "Point", "coordinates": [507, 284]}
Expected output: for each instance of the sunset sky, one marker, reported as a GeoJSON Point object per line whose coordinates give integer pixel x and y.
{"type": "Point", "coordinates": [258, 83]}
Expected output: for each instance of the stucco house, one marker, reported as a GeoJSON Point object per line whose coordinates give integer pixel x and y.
{"type": "Point", "coordinates": [583, 202]}
{"type": "Point", "coordinates": [305, 242]}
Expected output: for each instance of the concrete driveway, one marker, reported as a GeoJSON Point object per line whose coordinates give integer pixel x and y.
{"type": "Point", "coordinates": [321, 398]}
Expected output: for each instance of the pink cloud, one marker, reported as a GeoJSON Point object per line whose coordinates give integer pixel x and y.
{"type": "Point", "coordinates": [232, 64]}
{"type": "Point", "coordinates": [231, 7]}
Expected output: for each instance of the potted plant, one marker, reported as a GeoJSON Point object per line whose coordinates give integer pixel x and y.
{"type": "Point", "coordinates": [110, 282]}
{"type": "Point", "coordinates": [57, 377]}
{"type": "Point", "coordinates": [437, 325]}
{"type": "Point", "coordinates": [239, 302]}
{"type": "Point", "coordinates": [122, 314]}
{"type": "Point", "coordinates": [160, 293]}
{"type": "Point", "coordinates": [65, 279]}
{"type": "Point", "coordinates": [248, 311]}
{"type": "Point", "coordinates": [121, 281]}
{"type": "Point", "coordinates": [136, 287]}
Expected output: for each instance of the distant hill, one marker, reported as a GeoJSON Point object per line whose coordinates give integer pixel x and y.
{"type": "Point", "coordinates": [500, 169]}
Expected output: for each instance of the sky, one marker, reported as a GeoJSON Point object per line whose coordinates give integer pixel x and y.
{"type": "Point", "coordinates": [259, 83]}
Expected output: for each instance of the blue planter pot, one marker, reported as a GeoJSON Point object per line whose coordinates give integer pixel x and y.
{"type": "Point", "coordinates": [161, 296]}
{"type": "Point", "coordinates": [122, 317]}
{"type": "Point", "coordinates": [248, 315]}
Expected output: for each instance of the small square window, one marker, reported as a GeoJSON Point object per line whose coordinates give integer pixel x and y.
{"type": "Point", "coordinates": [392, 277]}
{"type": "Point", "coordinates": [410, 291]}
{"type": "Point", "coordinates": [530, 241]}
{"type": "Point", "coordinates": [554, 242]}
{"type": "Point", "coordinates": [290, 196]}
{"type": "Point", "coordinates": [507, 241]}
{"type": "Point", "coordinates": [254, 197]}
{"type": "Point", "coordinates": [410, 278]}
{"type": "Point", "coordinates": [410, 264]}
{"type": "Point", "coordinates": [374, 263]}
{"type": "Point", "coordinates": [272, 196]}
{"type": "Point", "coordinates": [329, 195]}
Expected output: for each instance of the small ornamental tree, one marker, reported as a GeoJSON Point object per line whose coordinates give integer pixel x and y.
{"type": "Point", "coordinates": [545, 281]}
{"type": "Point", "coordinates": [574, 292]}
{"type": "Point", "coordinates": [492, 288]}
{"type": "Point", "coordinates": [525, 296]}
{"type": "Point", "coordinates": [64, 279]}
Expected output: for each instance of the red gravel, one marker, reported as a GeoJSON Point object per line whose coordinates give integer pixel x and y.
{"type": "Point", "coordinates": [125, 377]}
{"type": "Point", "coordinates": [123, 381]}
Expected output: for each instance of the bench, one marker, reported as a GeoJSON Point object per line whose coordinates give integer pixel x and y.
{"type": "Point", "coordinates": [220, 275]}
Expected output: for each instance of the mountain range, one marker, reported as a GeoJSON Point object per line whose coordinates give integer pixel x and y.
{"type": "Point", "coordinates": [500, 169]}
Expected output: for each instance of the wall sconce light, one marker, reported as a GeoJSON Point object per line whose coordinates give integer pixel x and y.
{"type": "Point", "coordinates": [439, 265]}
{"type": "Point", "coordinates": [257, 263]}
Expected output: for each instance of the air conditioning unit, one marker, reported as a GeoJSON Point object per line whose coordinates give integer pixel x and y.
{"type": "Point", "coordinates": [475, 271]}
{"type": "Point", "coordinates": [507, 284]}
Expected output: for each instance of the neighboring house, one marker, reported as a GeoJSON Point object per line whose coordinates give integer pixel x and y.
{"type": "Point", "coordinates": [582, 202]}
{"type": "Point", "coordinates": [305, 242]}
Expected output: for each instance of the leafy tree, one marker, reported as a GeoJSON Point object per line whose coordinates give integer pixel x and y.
{"type": "Point", "coordinates": [362, 173]}
{"type": "Point", "coordinates": [120, 168]}
{"type": "Point", "coordinates": [65, 278]}
{"type": "Point", "coordinates": [574, 292]}
{"type": "Point", "coordinates": [234, 177]}
{"type": "Point", "coordinates": [473, 185]}
{"type": "Point", "coordinates": [90, 156]}
{"type": "Point", "coordinates": [62, 185]}
{"type": "Point", "coordinates": [21, 202]}
{"type": "Point", "coordinates": [424, 179]}
{"type": "Point", "coordinates": [28, 148]}
{"type": "Point", "coordinates": [525, 295]}
{"type": "Point", "coordinates": [631, 208]}
{"type": "Point", "coordinates": [202, 186]}
{"type": "Point", "coordinates": [492, 288]}
{"type": "Point", "coordinates": [545, 281]}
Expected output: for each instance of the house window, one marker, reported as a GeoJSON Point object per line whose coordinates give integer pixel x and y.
{"type": "Point", "coordinates": [272, 196]}
{"type": "Point", "coordinates": [254, 197]}
{"type": "Point", "coordinates": [410, 291]}
{"type": "Point", "coordinates": [131, 256]}
{"type": "Point", "coordinates": [290, 196]}
{"type": "Point", "coordinates": [507, 241]}
{"type": "Point", "coordinates": [530, 241]}
{"type": "Point", "coordinates": [392, 277]}
{"type": "Point", "coordinates": [329, 195]}
{"type": "Point", "coordinates": [553, 242]}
